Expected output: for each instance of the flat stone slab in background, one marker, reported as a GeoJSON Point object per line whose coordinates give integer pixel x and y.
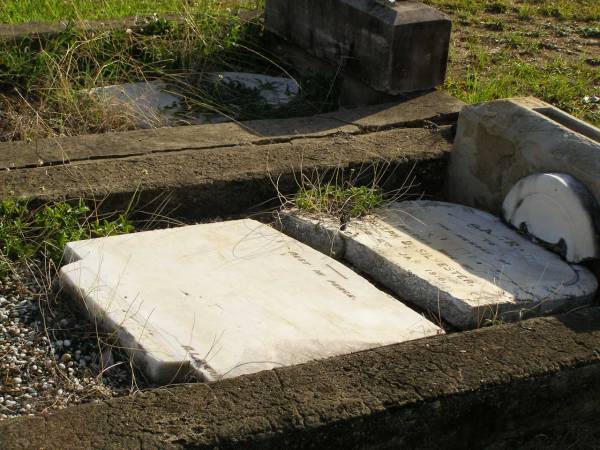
{"type": "Point", "coordinates": [230, 298]}
{"type": "Point", "coordinates": [455, 261]}
{"type": "Point", "coordinates": [159, 103]}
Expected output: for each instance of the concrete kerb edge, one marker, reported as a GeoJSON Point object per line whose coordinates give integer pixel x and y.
{"type": "Point", "coordinates": [200, 190]}
{"type": "Point", "coordinates": [432, 109]}
{"type": "Point", "coordinates": [493, 386]}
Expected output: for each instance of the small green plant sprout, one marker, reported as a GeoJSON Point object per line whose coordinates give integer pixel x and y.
{"type": "Point", "coordinates": [343, 202]}
{"type": "Point", "coordinates": [42, 233]}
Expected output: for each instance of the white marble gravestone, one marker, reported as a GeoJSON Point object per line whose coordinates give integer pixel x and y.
{"type": "Point", "coordinates": [455, 261]}
{"type": "Point", "coordinates": [154, 103]}
{"type": "Point", "coordinates": [230, 298]}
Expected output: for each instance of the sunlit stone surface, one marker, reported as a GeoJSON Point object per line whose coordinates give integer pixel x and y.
{"type": "Point", "coordinates": [455, 261]}
{"type": "Point", "coordinates": [230, 298]}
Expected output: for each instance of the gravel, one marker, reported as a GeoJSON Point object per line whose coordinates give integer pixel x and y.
{"type": "Point", "coordinates": [51, 357]}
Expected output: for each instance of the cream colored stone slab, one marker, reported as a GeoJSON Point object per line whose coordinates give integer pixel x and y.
{"type": "Point", "coordinates": [230, 298]}
{"type": "Point", "coordinates": [455, 261]}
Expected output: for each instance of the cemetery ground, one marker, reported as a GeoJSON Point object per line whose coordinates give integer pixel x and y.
{"type": "Point", "coordinates": [499, 50]}
{"type": "Point", "coordinates": [52, 357]}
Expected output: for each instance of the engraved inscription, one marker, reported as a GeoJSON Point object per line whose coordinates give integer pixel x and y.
{"type": "Point", "coordinates": [319, 272]}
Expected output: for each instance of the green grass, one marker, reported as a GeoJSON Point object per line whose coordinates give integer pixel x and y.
{"type": "Point", "coordinates": [341, 202]}
{"type": "Point", "coordinates": [43, 85]}
{"type": "Point", "coordinates": [506, 48]}
{"type": "Point", "coordinates": [561, 83]}
{"type": "Point", "coordinates": [582, 10]}
{"type": "Point", "coordinates": [42, 233]}
{"type": "Point", "coordinates": [15, 11]}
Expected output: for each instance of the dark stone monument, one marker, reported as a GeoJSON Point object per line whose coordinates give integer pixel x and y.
{"type": "Point", "coordinates": [393, 47]}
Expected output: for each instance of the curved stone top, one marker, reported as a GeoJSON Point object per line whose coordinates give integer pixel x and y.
{"type": "Point", "coordinates": [558, 210]}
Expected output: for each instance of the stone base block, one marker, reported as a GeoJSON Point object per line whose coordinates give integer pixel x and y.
{"type": "Point", "coordinates": [394, 48]}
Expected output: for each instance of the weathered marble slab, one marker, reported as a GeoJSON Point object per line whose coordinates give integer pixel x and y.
{"type": "Point", "coordinates": [230, 298]}
{"type": "Point", "coordinates": [455, 261]}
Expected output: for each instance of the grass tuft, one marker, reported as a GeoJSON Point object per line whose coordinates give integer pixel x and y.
{"type": "Point", "coordinates": [42, 233]}
{"type": "Point", "coordinates": [344, 203]}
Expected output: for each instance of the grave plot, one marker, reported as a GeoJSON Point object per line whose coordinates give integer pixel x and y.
{"type": "Point", "coordinates": [193, 68]}
{"type": "Point", "coordinates": [183, 302]}
{"type": "Point", "coordinates": [170, 104]}
{"type": "Point", "coordinates": [455, 261]}
{"type": "Point", "coordinates": [224, 299]}
{"type": "Point", "coordinates": [213, 64]}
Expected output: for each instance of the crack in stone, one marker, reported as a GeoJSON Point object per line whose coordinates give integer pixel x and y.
{"type": "Point", "coordinates": [260, 142]}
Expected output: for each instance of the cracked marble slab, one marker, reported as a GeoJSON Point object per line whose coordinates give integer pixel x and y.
{"type": "Point", "coordinates": [225, 299]}
{"type": "Point", "coordinates": [460, 263]}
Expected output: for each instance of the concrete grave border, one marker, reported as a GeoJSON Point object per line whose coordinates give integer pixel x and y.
{"type": "Point", "coordinates": [491, 387]}
{"type": "Point", "coordinates": [507, 386]}
{"type": "Point", "coordinates": [229, 169]}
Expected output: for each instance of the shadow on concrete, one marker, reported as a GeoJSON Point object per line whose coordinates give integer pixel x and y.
{"type": "Point", "coordinates": [582, 320]}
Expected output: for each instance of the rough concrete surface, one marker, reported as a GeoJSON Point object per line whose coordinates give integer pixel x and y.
{"type": "Point", "coordinates": [500, 142]}
{"type": "Point", "coordinates": [425, 109]}
{"type": "Point", "coordinates": [489, 388]}
{"type": "Point", "coordinates": [393, 48]}
{"type": "Point", "coordinates": [65, 150]}
{"type": "Point", "coordinates": [233, 180]}
{"type": "Point", "coordinates": [433, 107]}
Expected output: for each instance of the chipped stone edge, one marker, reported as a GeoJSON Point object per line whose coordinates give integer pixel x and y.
{"type": "Point", "coordinates": [324, 234]}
